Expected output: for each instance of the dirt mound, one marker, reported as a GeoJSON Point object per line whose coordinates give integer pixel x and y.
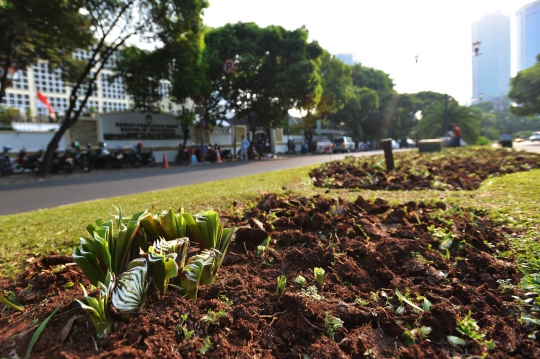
{"type": "Point", "coordinates": [368, 250]}
{"type": "Point", "coordinates": [456, 169]}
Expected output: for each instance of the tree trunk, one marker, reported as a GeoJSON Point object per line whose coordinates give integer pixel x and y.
{"type": "Point", "coordinates": [51, 148]}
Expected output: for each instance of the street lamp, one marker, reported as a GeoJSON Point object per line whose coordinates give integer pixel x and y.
{"type": "Point", "coordinates": [446, 119]}
{"type": "Point", "coordinates": [476, 47]}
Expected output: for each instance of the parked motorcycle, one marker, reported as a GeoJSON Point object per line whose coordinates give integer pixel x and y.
{"type": "Point", "coordinates": [5, 162]}
{"type": "Point", "coordinates": [132, 158]}
{"type": "Point", "coordinates": [27, 163]}
{"type": "Point", "coordinates": [63, 162]}
{"type": "Point", "coordinates": [102, 158]}
{"type": "Point", "coordinates": [147, 158]}
{"type": "Point", "coordinates": [81, 159]}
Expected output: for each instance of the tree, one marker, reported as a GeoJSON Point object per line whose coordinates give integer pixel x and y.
{"type": "Point", "coordinates": [378, 122]}
{"type": "Point", "coordinates": [336, 85]}
{"type": "Point", "coordinates": [432, 123]}
{"type": "Point", "coordinates": [114, 22]}
{"type": "Point", "coordinates": [363, 101]}
{"type": "Point", "coordinates": [275, 70]}
{"type": "Point", "coordinates": [525, 91]}
{"type": "Point", "coordinates": [32, 30]}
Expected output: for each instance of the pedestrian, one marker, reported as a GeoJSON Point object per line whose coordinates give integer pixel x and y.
{"type": "Point", "coordinates": [457, 134]}
{"type": "Point", "coordinates": [260, 145]}
{"type": "Point", "coordinates": [244, 148]}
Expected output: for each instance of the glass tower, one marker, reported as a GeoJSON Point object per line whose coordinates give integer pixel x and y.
{"type": "Point", "coordinates": [491, 68]}
{"type": "Point", "coordinates": [528, 35]}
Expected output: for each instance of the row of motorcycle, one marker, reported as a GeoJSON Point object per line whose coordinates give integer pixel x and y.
{"type": "Point", "coordinates": [76, 158]}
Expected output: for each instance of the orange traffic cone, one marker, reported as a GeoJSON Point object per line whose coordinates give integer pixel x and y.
{"type": "Point", "coordinates": [165, 163]}
{"type": "Point", "coordinates": [218, 157]}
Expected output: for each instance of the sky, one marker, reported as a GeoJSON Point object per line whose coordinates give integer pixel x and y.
{"type": "Point", "coordinates": [384, 34]}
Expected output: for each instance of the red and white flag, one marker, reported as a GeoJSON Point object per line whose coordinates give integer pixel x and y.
{"type": "Point", "coordinates": [47, 104]}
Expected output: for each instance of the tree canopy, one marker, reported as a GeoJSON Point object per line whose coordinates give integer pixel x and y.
{"type": "Point", "coordinates": [275, 70]}
{"type": "Point", "coordinates": [32, 30]}
{"type": "Point", "coordinates": [432, 123]}
{"type": "Point", "coordinates": [525, 90]}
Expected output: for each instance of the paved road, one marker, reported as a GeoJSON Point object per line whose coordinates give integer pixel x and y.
{"type": "Point", "coordinates": [59, 190]}
{"type": "Point", "coordinates": [27, 193]}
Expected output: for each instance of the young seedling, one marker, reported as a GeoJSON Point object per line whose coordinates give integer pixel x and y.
{"type": "Point", "coordinates": [319, 276]}
{"type": "Point", "coordinates": [332, 325]}
{"type": "Point", "coordinates": [300, 282]}
{"type": "Point", "coordinates": [311, 292]}
{"type": "Point", "coordinates": [207, 345]}
{"type": "Point", "coordinates": [212, 317]}
{"type": "Point", "coordinates": [281, 282]}
{"type": "Point", "coordinates": [409, 337]}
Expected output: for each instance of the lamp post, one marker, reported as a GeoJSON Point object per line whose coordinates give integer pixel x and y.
{"type": "Point", "coordinates": [476, 48]}
{"type": "Point", "coordinates": [446, 119]}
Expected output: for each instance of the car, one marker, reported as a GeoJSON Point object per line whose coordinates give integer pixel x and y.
{"type": "Point", "coordinates": [535, 136]}
{"type": "Point", "coordinates": [343, 144]}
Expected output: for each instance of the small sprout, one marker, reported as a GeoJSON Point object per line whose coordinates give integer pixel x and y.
{"type": "Point", "coordinates": [206, 346]}
{"type": "Point", "coordinates": [311, 292]}
{"type": "Point", "coordinates": [403, 298]}
{"type": "Point", "coordinates": [12, 303]}
{"type": "Point", "coordinates": [319, 275]}
{"type": "Point", "coordinates": [223, 299]}
{"type": "Point", "coordinates": [374, 296]}
{"type": "Point", "coordinates": [361, 302]}
{"type": "Point", "coordinates": [261, 250]}
{"type": "Point", "coordinates": [505, 286]}
{"type": "Point", "coordinates": [281, 282]}
{"type": "Point", "coordinates": [212, 317]}
{"type": "Point", "coordinates": [456, 340]}
{"type": "Point", "coordinates": [69, 285]}
{"type": "Point", "coordinates": [332, 325]}
{"type": "Point", "coordinates": [300, 281]}
{"type": "Point", "coordinates": [409, 337]}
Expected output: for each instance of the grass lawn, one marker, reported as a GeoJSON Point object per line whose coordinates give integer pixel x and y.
{"type": "Point", "coordinates": [512, 200]}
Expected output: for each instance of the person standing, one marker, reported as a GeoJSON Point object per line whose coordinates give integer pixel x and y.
{"type": "Point", "coordinates": [260, 146]}
{"type": "Point", "coordinates": [244, 148]}
{"type": "Point", "coordinates": [457, 134]}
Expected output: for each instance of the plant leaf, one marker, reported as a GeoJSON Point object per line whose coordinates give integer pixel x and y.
{"type": "Point", "coordinates": [39, 330]}
{"type": "Point", "coordinates": [404, 299]}
{"type": "Point", "coordinates": [456, 340]}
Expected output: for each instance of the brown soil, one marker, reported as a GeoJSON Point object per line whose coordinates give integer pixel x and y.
{"type": "Point", "coordinates": [463, 170]}
{"type": "Point", "coordinates": [364, 247]}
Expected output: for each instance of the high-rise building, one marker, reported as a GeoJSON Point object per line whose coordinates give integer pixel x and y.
{"type": "Point", "coordinates": [491, 67]}
{"type": "Point", "coordinates": [528, 35]}
{"type": "Point", "coordinates": [346, 58]}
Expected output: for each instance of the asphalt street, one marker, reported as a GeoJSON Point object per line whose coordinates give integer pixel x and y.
{"type": "Point", "coordinates": [23, 193]}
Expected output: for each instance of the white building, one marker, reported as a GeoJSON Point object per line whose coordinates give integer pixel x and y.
{"type": "Point", "coordinates": [109, 97]}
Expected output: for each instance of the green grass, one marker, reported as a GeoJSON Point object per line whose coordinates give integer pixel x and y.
{"type": "Point", "coordinates": [512, 200]}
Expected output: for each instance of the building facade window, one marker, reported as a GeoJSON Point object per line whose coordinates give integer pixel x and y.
{"type": "Point", "coordinates": [59, 105]}
{"type": "Point", "coordinates": [18, 101]}
{"type": "Point", "coordinates": [112, 87]}
{"type": "Point", "coordinates": [113, 106]}
{"type": "Point", "coordinates": [48, 81]}
{"type": "Point", "coordinates": [20, 80]}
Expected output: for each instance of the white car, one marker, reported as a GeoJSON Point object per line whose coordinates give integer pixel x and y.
{"type": "Point", "coordinates": [535, 136]}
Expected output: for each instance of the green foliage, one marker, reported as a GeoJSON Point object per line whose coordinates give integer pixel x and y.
{"type": "Point", "coordinates": [28, 35]}
{"type": "Point", "coordinates": [312, 293]}
{"type": "Point", "coordinates": [129, 294]}
{"type": "Point", "coordinates": [468, 327]}
{"type": "Point", "coordinates": [275, 70]}
{"type": "Point", "coordinates": [212, 317]}
{"type": "Point", "coordinates": [332, 325]}
{"type": "Point", "coordinates": [403, 298]}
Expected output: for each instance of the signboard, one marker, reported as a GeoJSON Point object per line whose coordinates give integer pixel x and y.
{"type": "Point", "coordinates": [229, 66]}
{"type": "Point", "coordinates": [138, 126]}
{"type": "Point", "coordinates": [318, 131]}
